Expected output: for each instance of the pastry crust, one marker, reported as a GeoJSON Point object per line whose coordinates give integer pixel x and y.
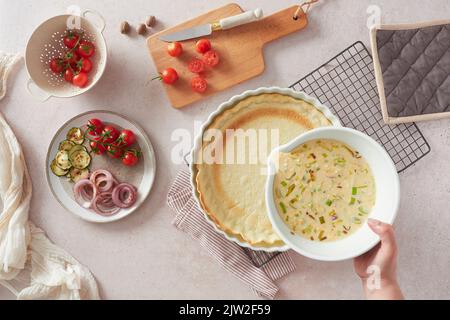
{"type": "Point", "coordinates": [233, 194]}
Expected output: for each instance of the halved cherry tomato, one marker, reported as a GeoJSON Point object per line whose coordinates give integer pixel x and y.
{"type": "Point", "coordinates": [57, 65]}
{"type": "Point", "coordinates": [86, 49]}
{"type": "Point", "coordinates": [126, 138]}
{"type": "Point", "coordinates": [85, 65]}
{"type": "Point", "coordinates": [95, 127]}
{"type": "Point", "coordinates": [68, 75]}
{"type": "Point", "coordinates": [80, 79]}
{"type": "Point", "coordinates": [110, 134]}
{"type": "Point", "coordinates": [169, 76]}
{"type": "Point", "coordinates": [114, 152]}
{"type": "Point", "coordinates": [130, 158]}
{"type": "Point", "coordinates": [174, 49]}
{"type": "Point", "coordinates": [203, 45]}
{"type": "Point", "coordinates": [71, 57]}
{"type": "Point", "coordinates": [211, 58]}
{"type": "Point", "coordinates": [97, 147]}
{"type": "Point", "coordinates": [196, 66]}
{"type": "Point", "coordinates": [71, 39]}
{"type": "Point", "coordinates": [199, 84]}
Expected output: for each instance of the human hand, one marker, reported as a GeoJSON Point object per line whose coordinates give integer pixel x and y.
{"type": "Point", "coordinates": [381, 262]}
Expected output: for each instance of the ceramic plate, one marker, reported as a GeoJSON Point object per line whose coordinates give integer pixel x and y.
{"type": "Point", "coordinates": [141, 176]}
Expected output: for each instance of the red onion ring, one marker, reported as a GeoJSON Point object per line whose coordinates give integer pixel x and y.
{"type": "Point", "coordinates": [103, 180]}
{"type": "Point", "coordinates": [124, 195]}
{"type": "Point", "coordinates": [84, 192]}
{"type": "Point", "coordinates": [103, 204]}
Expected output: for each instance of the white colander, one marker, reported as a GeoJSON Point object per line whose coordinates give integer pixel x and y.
{"type": "Point", "coordinates": [46, 43]}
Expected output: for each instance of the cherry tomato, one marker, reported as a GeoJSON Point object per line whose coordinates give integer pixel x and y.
{"type": "Point", "coordinates": [174, 49]}
{"type": "Point", "coordinates": [68, 75]}
{"type": "Point", "coordinates": [126, 138]}
{"type": "Point", "coordinates": [80, 79]}
{"type": "Point", "coordinates": [130, 158]}
{"type": "Point", "coordinates": [71, 39]}
{"type": "Point", "coordinates": [85, 65]}
{"type": "Point", "coordinates": [57, 65]}
{"type": "Point", "coordinates": [71, 57]}
{"type": "Point", "coordinates": [97, 147]}
{"type": "Point", "coordinates": [86, 49]}
{"type": "Point", "coordinates": [199, 84]}
{"type": "Point", "coordinates": [196, 66]}
{"type": "Point", "coordinates": [110, 134]}
{"type": "Point", "coordinates": [114, 152]}
{"type": "Point", "coordinates": [211, 58]}
{"type": "Point", "coordinates": [203, 45]}
{"type": "Point", "coordinates": [169, 76]}
{"type": "Point", "coordinates": [95, 127]}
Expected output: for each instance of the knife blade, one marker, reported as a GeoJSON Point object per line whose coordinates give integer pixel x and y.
{"type": "Point", "coordinates": [207, 29]}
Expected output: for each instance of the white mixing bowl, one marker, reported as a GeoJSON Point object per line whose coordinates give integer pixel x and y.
{"type": "Point", "coordinates": [386, 204]}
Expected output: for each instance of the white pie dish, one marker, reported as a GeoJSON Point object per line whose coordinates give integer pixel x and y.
{"type": "Point", "coordinates": [198, 143]}
{"type": "Point", "coordinates": [386, 204]}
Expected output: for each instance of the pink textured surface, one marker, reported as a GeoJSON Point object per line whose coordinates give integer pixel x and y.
{"type": "Point", "coordinates": [144, 256]}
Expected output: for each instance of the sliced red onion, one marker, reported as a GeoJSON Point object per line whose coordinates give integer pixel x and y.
{"type": "Point", "coordinates": [103, 204]}
{"type": "Point", "coordinates": [124, 195]}
{"type": "Point", "coordinates": [84, 192]}
{"type": "Point", "coordinates": [103, 180]}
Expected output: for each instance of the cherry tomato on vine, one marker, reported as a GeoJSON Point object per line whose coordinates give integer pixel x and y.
{"type": "Point", "coordinates": [130, 158]}
{"type": "Point", "coordinates": [126, 138]}
{"type": "Point", "coordinates": [71, 38]}
{"type": "Point", "coordinates": [57, 65]}
{"type": "Point", "coordinates": [97, 147]}
{"type": "Point", "coordinates": [86, 49]}
{"type": "Point", "coordinates": [168, 76]}
{"type": "Point", "coordinates": [80, 79]}
{"type": "Point", "coordinates": [114, 152]}
{"type": "Point", "coordinates": [68, 75]}
{"type": "Point", "coordinates": [95, 127]}
{"type": "Point", "coordinates": [110, 134]}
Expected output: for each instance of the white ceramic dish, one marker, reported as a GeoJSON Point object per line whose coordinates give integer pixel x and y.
{"type": "Point", "coordinates": [142, 175]}
{"type": "Point", "coordinates": [226, 105]}
{"type": "Point", "coordinates": [386, 204]}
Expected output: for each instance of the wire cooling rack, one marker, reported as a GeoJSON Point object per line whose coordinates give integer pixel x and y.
{"type": "Point", "coordinates": [346, 84]}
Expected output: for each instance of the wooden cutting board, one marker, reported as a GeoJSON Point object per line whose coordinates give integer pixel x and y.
{"type": "Point", "coordinates": [240, 51]}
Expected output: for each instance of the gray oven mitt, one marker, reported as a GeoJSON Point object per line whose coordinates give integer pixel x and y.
{"type": "Point", "coordinates": [412, 69]}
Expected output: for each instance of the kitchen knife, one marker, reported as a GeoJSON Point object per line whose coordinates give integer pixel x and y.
{"type": "Point", "coordinates": [207, 29]}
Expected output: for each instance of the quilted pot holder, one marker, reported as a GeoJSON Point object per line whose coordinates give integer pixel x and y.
{"type": "Point", "coordinates": [412, 70]}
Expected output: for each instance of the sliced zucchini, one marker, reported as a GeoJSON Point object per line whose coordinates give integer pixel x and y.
{"type": "Point", "coordinates": [66, 145]}
{"type": "Point", "coordinates": [80, 159]}
{"type": "Point", "coordinates": [62, 160]}
{"type": "Point", "coordinates": [77, 174]}
{"type": "Point", "coordinates": [77, 148]}
{"type": "Point", "coordinates": [75, 135]}
{"type": "Point", "coordinates": [57, 170]}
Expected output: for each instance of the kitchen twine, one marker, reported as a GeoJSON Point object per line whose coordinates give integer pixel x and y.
{"type": "Point", "coordinates": [307, 5]}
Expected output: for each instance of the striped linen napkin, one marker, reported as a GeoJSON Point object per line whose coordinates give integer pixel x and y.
{"type": "Point", "coordinates": [233, 258]}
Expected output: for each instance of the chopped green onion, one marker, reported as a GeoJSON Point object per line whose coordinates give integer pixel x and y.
{"type": "Point", "coordinates": [293, 175]}
{"type": "Point", "coordinates": [356, 220]}
{"type": "Point", "coordinates": [352, 200]}
{"type": "Point", "coordinates": [283, 207]}
{"type": "Point", "coordinates": [361, 209]}
{"type": "Point", "coordinates": [290, 189]}
{"type": "Point", "coordinates": [354, 190]}
{"type": "Point", "coordinates": [322, 220]}
{"type": "Point", "coordinates": [328, 202]}
{"type": "Point", "coordinates": [324, 155]}
{"type": "Point", "coordinates": [283, 183]}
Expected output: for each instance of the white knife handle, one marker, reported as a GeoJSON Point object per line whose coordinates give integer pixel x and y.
{"type": "Point", "coordinates": [243, 18]}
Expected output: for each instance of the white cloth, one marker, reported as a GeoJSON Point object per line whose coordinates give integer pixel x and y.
{"type": "Point", "coordinates": [31, 266]}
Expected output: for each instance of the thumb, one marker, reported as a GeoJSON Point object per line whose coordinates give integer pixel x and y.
{"type": "Point", "coordinates": [385, 232]}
